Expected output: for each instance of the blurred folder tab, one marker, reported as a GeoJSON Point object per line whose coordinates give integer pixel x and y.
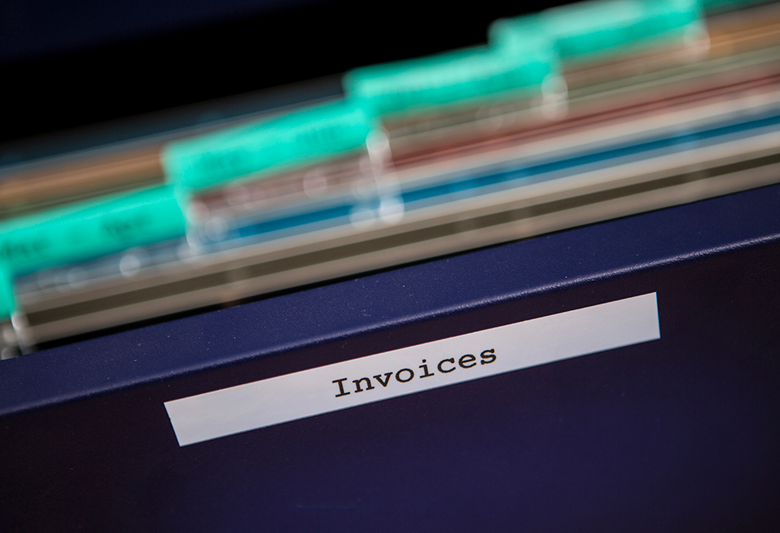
{"type": "Point", "coordinates": [462, 76]}
{"type": "Point", "coordinates": [596, 30]}
{"type": "Point", "coordinates": [301, 137]}
{"type": "Point", "coordinates": [7, 302]}
{"type": "Point", "coordinates": [90, 229]}
{"type": "Point", "coordinates": [716, 6]}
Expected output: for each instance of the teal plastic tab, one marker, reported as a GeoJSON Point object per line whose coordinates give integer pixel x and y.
{"type": "Point", "coordinates": [600, 28]}
{"type": "Point", "coordinates": [90, 229]}
{"type": "Point", "coordinates": [298, 138]}
{"type": "Point", "coordinates": [461, 76]}
{"type": "Point", "coordinates": [717, 6]}
{"type": "Point", "coordinates": [7, 302]}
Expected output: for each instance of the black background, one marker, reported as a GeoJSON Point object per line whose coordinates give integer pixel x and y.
{"type": "Point", "coordinates": [71, 64]}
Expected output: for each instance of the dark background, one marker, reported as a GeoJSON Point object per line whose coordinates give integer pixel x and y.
{"type": "Point", "coordinates": [69, 64]}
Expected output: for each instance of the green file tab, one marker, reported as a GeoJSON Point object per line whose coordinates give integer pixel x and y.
{"type": "Point", "coordinates": [600, 28]}
{"type": "Point", "coordinates": [716, 6]}
{"type": "Point", "coordinates": [461, 76]}
{"type": "Point", "coordinates": [7, 302]}
{"type": "Point", "coordinates": [298, 138]}
{"type": "Point", "coordinates": [90, 229]}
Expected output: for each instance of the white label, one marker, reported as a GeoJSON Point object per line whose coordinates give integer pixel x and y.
{"type": "Point", "coordinates": [414, 369]}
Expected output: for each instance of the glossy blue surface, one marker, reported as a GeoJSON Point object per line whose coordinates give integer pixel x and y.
{"type": "Point", "coordinates": [676, 434]}
{"type": "Point", "coordinates": [370, 303]}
